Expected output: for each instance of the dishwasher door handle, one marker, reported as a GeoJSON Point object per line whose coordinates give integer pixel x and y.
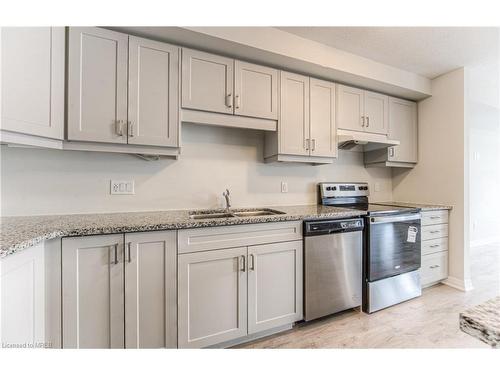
{"type": "Point", "coordinates": [394, 219]}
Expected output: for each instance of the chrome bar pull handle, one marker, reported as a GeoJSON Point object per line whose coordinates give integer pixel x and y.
{"type": "Point", "coordinates": [116, 254]}
{"type": "Point", "coordinates": [119, 127]}
{"type": "Point", "coordinates": [229, 102]}
{"type": "Point", "coordinates": [367, 121]}
{"type": "Point", "coordinates": [129, 245]}
{"type": "Point", "coordinates": [243, 263]}
{"type": "Point", "coordinates": [237, 101]}
{"type": "Point", "coordinates": [252, 263]}
{"type": "Point", "coordinates": [363, 121]}
{"type": "Point", "coordinates": [130, 129]}
{"type": "Point", "coordinates": [313, 144]}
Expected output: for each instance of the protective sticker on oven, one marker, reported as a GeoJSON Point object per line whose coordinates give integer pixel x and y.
{"type": "Point", "coordinates": [412, 234]}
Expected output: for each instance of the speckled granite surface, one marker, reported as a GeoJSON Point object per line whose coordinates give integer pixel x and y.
{"type": "Point", "coordinates": [422, 206]}
{"type": "Point", "coordinates": [483, 322]}
{"type": "Point", "coordinates": [17, 233]}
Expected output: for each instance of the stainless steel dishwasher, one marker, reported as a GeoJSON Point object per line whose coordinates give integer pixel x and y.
{"type": "Point", "coordinates": [333, 253]}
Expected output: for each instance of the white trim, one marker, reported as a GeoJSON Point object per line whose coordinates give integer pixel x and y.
{"type": "Point", "coordinates": [464, 285]}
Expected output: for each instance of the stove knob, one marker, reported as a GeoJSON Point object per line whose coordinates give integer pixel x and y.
{"type": "Point", "coordinates": [328, 188]}
{"type": "Point", "coordinates": [334, 188]}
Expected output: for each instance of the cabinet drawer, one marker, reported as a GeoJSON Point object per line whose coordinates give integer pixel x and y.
{"type": "Point", "coordinates": [434, 246]}
{"type": "Point", "coordinates": [434, 267]}
{"type": "Point", "coordinates": [200, 239]}
{"type": "Point", "coordinates": [430, 232]}
{"type": "Point", "coordinates": [434, 217]}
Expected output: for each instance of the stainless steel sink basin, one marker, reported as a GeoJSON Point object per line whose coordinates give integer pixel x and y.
{"type": "Point", "coordinates": [233, 213]}
{"type": "Point", "coordinates": [211, 216]}
{"type": "Point", "coordinates": [264, 212]}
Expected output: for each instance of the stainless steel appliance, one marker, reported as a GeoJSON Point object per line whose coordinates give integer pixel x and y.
{"type": "Point", "coordinates": [391, 250]}
{"type": "Point", "coordinates": [332, 266]}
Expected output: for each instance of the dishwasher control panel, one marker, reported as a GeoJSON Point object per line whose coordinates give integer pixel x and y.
{"type": "Point", "coordinates": [315, 228]}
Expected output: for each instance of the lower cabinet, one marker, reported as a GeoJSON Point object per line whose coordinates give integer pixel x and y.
{"type": "Point", "coordinates": [22, 305]}
{"type": "Point", "coordinates": [230, 293]}
{"type": "Point", "coordinates": [119, 291]}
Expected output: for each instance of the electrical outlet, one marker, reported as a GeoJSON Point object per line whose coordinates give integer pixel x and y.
{"type": "Point", "coordinates": [122, 187]}
{"type": "Point", "coordinates": [284, 187]}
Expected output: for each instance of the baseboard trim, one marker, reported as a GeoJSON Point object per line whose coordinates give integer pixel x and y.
{"type": "Point", "coordinates": [464, 285]}
{"type": "Point", "coordinates": [485, 241]}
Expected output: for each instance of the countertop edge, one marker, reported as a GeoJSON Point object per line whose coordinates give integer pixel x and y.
{"type": "Point", "coordinates": [181, 224]}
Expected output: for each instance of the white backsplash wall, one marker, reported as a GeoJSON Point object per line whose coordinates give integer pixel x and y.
{"type": "Point", "coordinates": [213, 159]}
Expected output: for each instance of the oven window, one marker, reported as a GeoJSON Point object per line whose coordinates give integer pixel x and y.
{"type": "Point", "coordinates": [392, 249]}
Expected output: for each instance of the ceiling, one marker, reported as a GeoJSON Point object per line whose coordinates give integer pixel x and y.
{"type": "Point", "coordinates": [428, 51]}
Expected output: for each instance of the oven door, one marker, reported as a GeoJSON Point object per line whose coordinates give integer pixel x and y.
{"type": "Point", "coordinates": [392, 245]}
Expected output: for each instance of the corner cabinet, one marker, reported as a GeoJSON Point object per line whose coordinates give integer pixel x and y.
{"type": "Point", "coordinates": [122, 89]}
{"type": "Point", "coordinates": [32, 93]}
{"type": "Point", "coordinates": [217, 90]}
{"type": "Point", "coordinates": [306, 124]}
{"type": "Point", "coordinates": [236, 282]}
{"type": "Point", "coordinates": [118, 291]}
{"type": "Point", "coordinates": [402, 127]}
{"type": "Point", "coordinates": [362, 111]}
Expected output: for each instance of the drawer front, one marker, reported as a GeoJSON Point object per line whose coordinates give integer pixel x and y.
{"type": "Point", "coordinates": [201, 239]}
{"type": "Point", "coordinates": [434, 217]}
{"type": "Point", "coordinates": [434, 267]}
{"type": "Point", "coordinates": [434, 246]}
{"type": "Point", "coordinates": [430, 232]}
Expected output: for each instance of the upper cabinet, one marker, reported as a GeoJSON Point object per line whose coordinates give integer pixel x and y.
{"type": "Point", "coordinates": [207, 82]}
{"type": "Point", "coordinates": [97, 85]}
{"type": "Point", "coordinates": [361, 110]}
{"type": "Point", "coordinates": [121, 89]}
{"type": "Point", "coordinates": [32, 71]}
{"type": "Point", "coordinates": [402, 127]}
{"type": "Point", "coordinates": [153, 93]}
{"type": "Point", "coordinates": [255, 90]}
{"type": "Point", "coordinates": [294, 114]}
{"type": "Point", "coordinates": [322, 114]}
{"type": "Point", "coordinates": [221, 91]}
{"type": "Point", "coordinates": [306, 125]}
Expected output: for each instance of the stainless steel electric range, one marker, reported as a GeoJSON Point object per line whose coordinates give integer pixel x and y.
{"type": "Point", "coordinates": [391, 246]}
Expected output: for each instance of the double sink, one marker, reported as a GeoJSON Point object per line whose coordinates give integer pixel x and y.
{"type": "Point", "coordinates": [204, 215]}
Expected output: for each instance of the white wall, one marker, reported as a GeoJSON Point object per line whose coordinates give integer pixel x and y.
{"type": "Point", "coordinates": [483, 117]}
{"type": "Point", "coordinates": [442, 172]}
{"type": "Point", "coordinates": [53, 182]}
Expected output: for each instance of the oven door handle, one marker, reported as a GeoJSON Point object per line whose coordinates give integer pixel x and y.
{"type": "Point", "coordinates": [394, 219]}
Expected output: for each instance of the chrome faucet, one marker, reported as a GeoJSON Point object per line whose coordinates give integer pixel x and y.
{"type": "Point", "coordinates": [226, 195]}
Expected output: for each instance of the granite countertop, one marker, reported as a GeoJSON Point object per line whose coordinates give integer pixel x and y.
{"type": "Point", "coordinates": [21, 232]}
{"type": "Point", "coordinates": [422, 206]}
{"type": "Point", "coordinates": [483, 322]}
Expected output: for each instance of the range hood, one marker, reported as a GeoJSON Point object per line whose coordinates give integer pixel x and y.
{"type": "Point", "coordinates": [347, 139]}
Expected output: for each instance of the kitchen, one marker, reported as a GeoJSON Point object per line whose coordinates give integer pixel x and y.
{"type": "Point", "coordinates": [194, 187]}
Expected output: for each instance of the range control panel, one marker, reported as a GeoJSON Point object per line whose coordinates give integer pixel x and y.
{"type": "Point", "coordinates": [335, 189]}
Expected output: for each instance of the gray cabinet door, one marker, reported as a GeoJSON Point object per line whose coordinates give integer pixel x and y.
{"type": "Point", "coordinates": [32, 71]}
{"type": "Point", "coordinates": [403, 127]}
{"type": "Point", "coordinates": [255, 90]}
{"type": "Point", "coordinates": [207, 81]}
{"type": "Point", "coordinates": [376, 112]}
{"type": "Point", "coordinates": [97, 85]}
{"type": "Point", "coordinates": [322, 109]}
{"type": "Point", "coordinates": [274, 285]}
{"type": "Point", "coordinates": [150, 290]}
{"type": "Point", "coordinates": [293, 124]}
{"type": "Point", "coordinates": [92, 292]}
{"type": "Point", "coordinates": [212, 297]}
{"type": "Point", "coordinates": [153, 93]}
{"type": "Point", "coordinates": [350, 111]}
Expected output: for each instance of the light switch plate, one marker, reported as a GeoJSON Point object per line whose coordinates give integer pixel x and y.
{"type": "Point", "coordinates": [122, 187]}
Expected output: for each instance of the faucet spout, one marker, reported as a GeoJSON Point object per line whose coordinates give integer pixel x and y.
{"type": "Point", "coordinates": [228, 202]}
